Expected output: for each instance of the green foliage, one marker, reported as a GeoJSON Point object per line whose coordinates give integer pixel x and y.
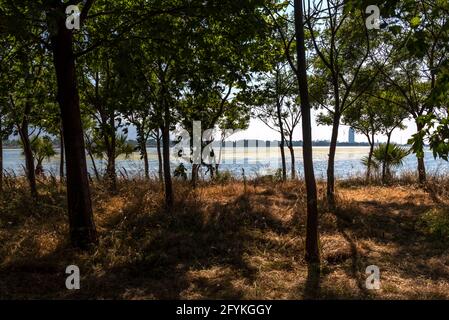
{"type": "Point", "coordinates": [96, 145]}
{"type": "Point", "coordinates": [278, 175]}
{"type": "Point", "coordinates": [223, 177]}
{"type": "Point", "coordinates": [181, 172]}
{"type": "Point", "coordinates": [435, 222]}
{"type": "Point", "coordinates": [42, 148]}
{"type": "Point", "coordinates": [393, 157]}
{"type": "Point", "coordinates": [436, 132]}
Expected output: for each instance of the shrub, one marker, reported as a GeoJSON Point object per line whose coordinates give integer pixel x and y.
{"type": "Point", "coordinates": [223, 176]}
{"type": "Point", "coordinates": [435, 222]}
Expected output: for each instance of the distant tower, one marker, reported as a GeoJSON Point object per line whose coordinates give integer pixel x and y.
{"type": "Point", "coordinates": [351, 138]}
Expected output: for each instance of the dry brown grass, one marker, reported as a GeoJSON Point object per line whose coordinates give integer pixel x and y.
{"type": "Point", "coordinates": [223, 241]}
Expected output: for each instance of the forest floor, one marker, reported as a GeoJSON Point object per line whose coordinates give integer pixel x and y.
{"type": "Point", "coordinates": [226, 241]}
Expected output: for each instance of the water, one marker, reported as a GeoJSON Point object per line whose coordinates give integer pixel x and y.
{"type": "Point", "coordinates": [253, 161]}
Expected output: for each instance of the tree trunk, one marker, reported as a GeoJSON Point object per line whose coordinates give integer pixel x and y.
{"type": "Point", "coordinates": [195, 168]}
{"type": "Point", "coordinates": [370, 157]}
{"type": "Point", "coordinates": [94, 166]}
{"type": "Point", "coordinates": [167, 171]}
{"type": "Point", "coordinates": [29, 158]}
{"type": "Point", "coordinates": [143, 148]}
{"type": "Point", "coordinates": [312, 254]}
{"type": "Point", "coordinates": [422, 175]}
{"type": "Point", "coordinates": [284, 165]}
{"type": "Point", "coordinates": [281, 129]}
{"type": "Point", "coordinates": [61, 163]}
{"type": "Point", "coordinates": [82, 227]}
{"type": "Point", "coordinates": [292, 156]}
{"type": "Point", "coordinates": [331, 163]}
{"type": "Point", "coordinates": [1, 156]}
{"type": "Point", "coordinates": [385, 164]}
{"type": "Point", "coordinates": [110, 139]}
{"type": "Point", "coordinates": [159, 156]}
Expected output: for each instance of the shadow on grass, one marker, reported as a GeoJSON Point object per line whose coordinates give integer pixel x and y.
{"type": "Point", "coordinates": [211, 241]}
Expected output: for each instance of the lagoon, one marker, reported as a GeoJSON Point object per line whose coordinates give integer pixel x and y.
{"type": "Point", "coordinates": [254, 162]}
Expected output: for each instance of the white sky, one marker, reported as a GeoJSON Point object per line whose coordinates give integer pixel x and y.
{"type": "Point", "coordinates": [257, 130]}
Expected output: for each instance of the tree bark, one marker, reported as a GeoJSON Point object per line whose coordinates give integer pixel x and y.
{"type": "Point", "coordinates": [312, 254]}
{"type": "Point", "coordinates": [292, 156]}
{"type": "Point", "coordinates": [385, 164]}
{"type": "Point", "coordinates": [168, 186]}
{"type": "Point", "coordinates": [281, 129]}
{"type": "Point", "coordinates": [143, 147]}
{"type": "Point", "coordinates": [422, 175]}
{"type": "Point", "coordinates": [61, 163]}
{"type": "Point", "coordinates": [370, 157]}
{"type": "Point", "coordinates": [195, 168]}
{"type": "Point", "coordinates": [94, 166]}
{"type": "Point", "coordinates": [82, 228]}
{"type": "Point", "coordinates": [167, 171]}
{"type": "Point", "coordinates": [110, 142]}
{"type": "Point", "coordinates": [284, 165]}
{"type": "Point", "coordinates": [331, 163]}
{"type": "Point", "coordinates": [159, 156]}
{"type": "Point", "coordinates": [23, 129]}
{"type": "Point", "coordinates": [1, 156]}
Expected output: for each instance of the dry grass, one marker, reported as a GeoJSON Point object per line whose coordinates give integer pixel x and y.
{"type": "Point", "coordinates": [223, 241]}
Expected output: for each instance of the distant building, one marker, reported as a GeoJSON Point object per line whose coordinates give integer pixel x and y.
{"type": "Point", "coordinates": [351, 138]}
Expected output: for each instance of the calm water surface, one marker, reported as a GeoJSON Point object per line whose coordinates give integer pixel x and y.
{"type": "Point", "coordinates": [253, 161]}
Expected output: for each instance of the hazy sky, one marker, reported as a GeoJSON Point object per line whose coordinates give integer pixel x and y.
{"type": "Point", "coordinates": [257, 130]}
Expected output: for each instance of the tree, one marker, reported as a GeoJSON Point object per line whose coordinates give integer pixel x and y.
{"type": "Point", "coordinates": [82, 228]}
{"type": "Point", "coordinates": [7, 51]}
{"type": "Point", "coordinates": [363, 117]}
{"type": "Point", "coordinates": [312, 254]}
{"type": "Point", "coordinates": [275, 100]}
{"type": "Point", "coordinates": [342, 45]}
{"type": "Point", "coordinates": [376, 112]}
{"type": "Point", "coordinates": [299, 68]}
{"type": "Point", "coordinates": [386, 157]}
{"type": "Point", "coordinates": [42, 149]}
{"type": "Point", "coordinates": [416, 49]}
{"type": "Point", "coordinates": [101, 96]}
{"type": "Point", "coordinates": [5, 131]}
{"type": "Point", "coordinates": [138, 97]}
{"type": "Point", "coordinates": [99, 150]}
{"type": "Point", "coordinates": [28, 94]}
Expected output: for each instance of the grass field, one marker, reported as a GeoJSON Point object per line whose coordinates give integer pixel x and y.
{"type": "Point", "coordinates": [228, 241]}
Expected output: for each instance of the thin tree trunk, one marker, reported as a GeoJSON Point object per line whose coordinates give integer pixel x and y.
{"type": "Point", "coordinates": [159, 156]}
{"type": "Point", "coordinates": [281, 129]}
{"type": "Point", "coordinates": [27, 151]}
{"type": "Point", "coordinates": [143, 148]}
{"type": "Point", "coordinates": [1, 156]}
{"type": "Point", "coordinates": [284, 165]}
{"type": "Point", "coordinates": [422, 175]}
{"type": "Point", "coordinates": [195, 168]}
{"type": "Point", "coordinates": [82, 227]}
{"type": "Point", "coordinates": [110, 143]}
{"type": "Point", "coordinates": [385, 164]}
{"type": "Point", "coordinates": [331, 163]}
{"type": "Point", "coordinates": [312, 254]}
{"type": "Point", "coordinates": [61, 163]}
{"type": "Point", "coordinates": [167, 171]}
{"type": "Point", "coordinates": [370, 157]}
{"type": "Point", "coordinates": [94, 166]}
{"type": "Point", "coordinates": [292, 156]}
